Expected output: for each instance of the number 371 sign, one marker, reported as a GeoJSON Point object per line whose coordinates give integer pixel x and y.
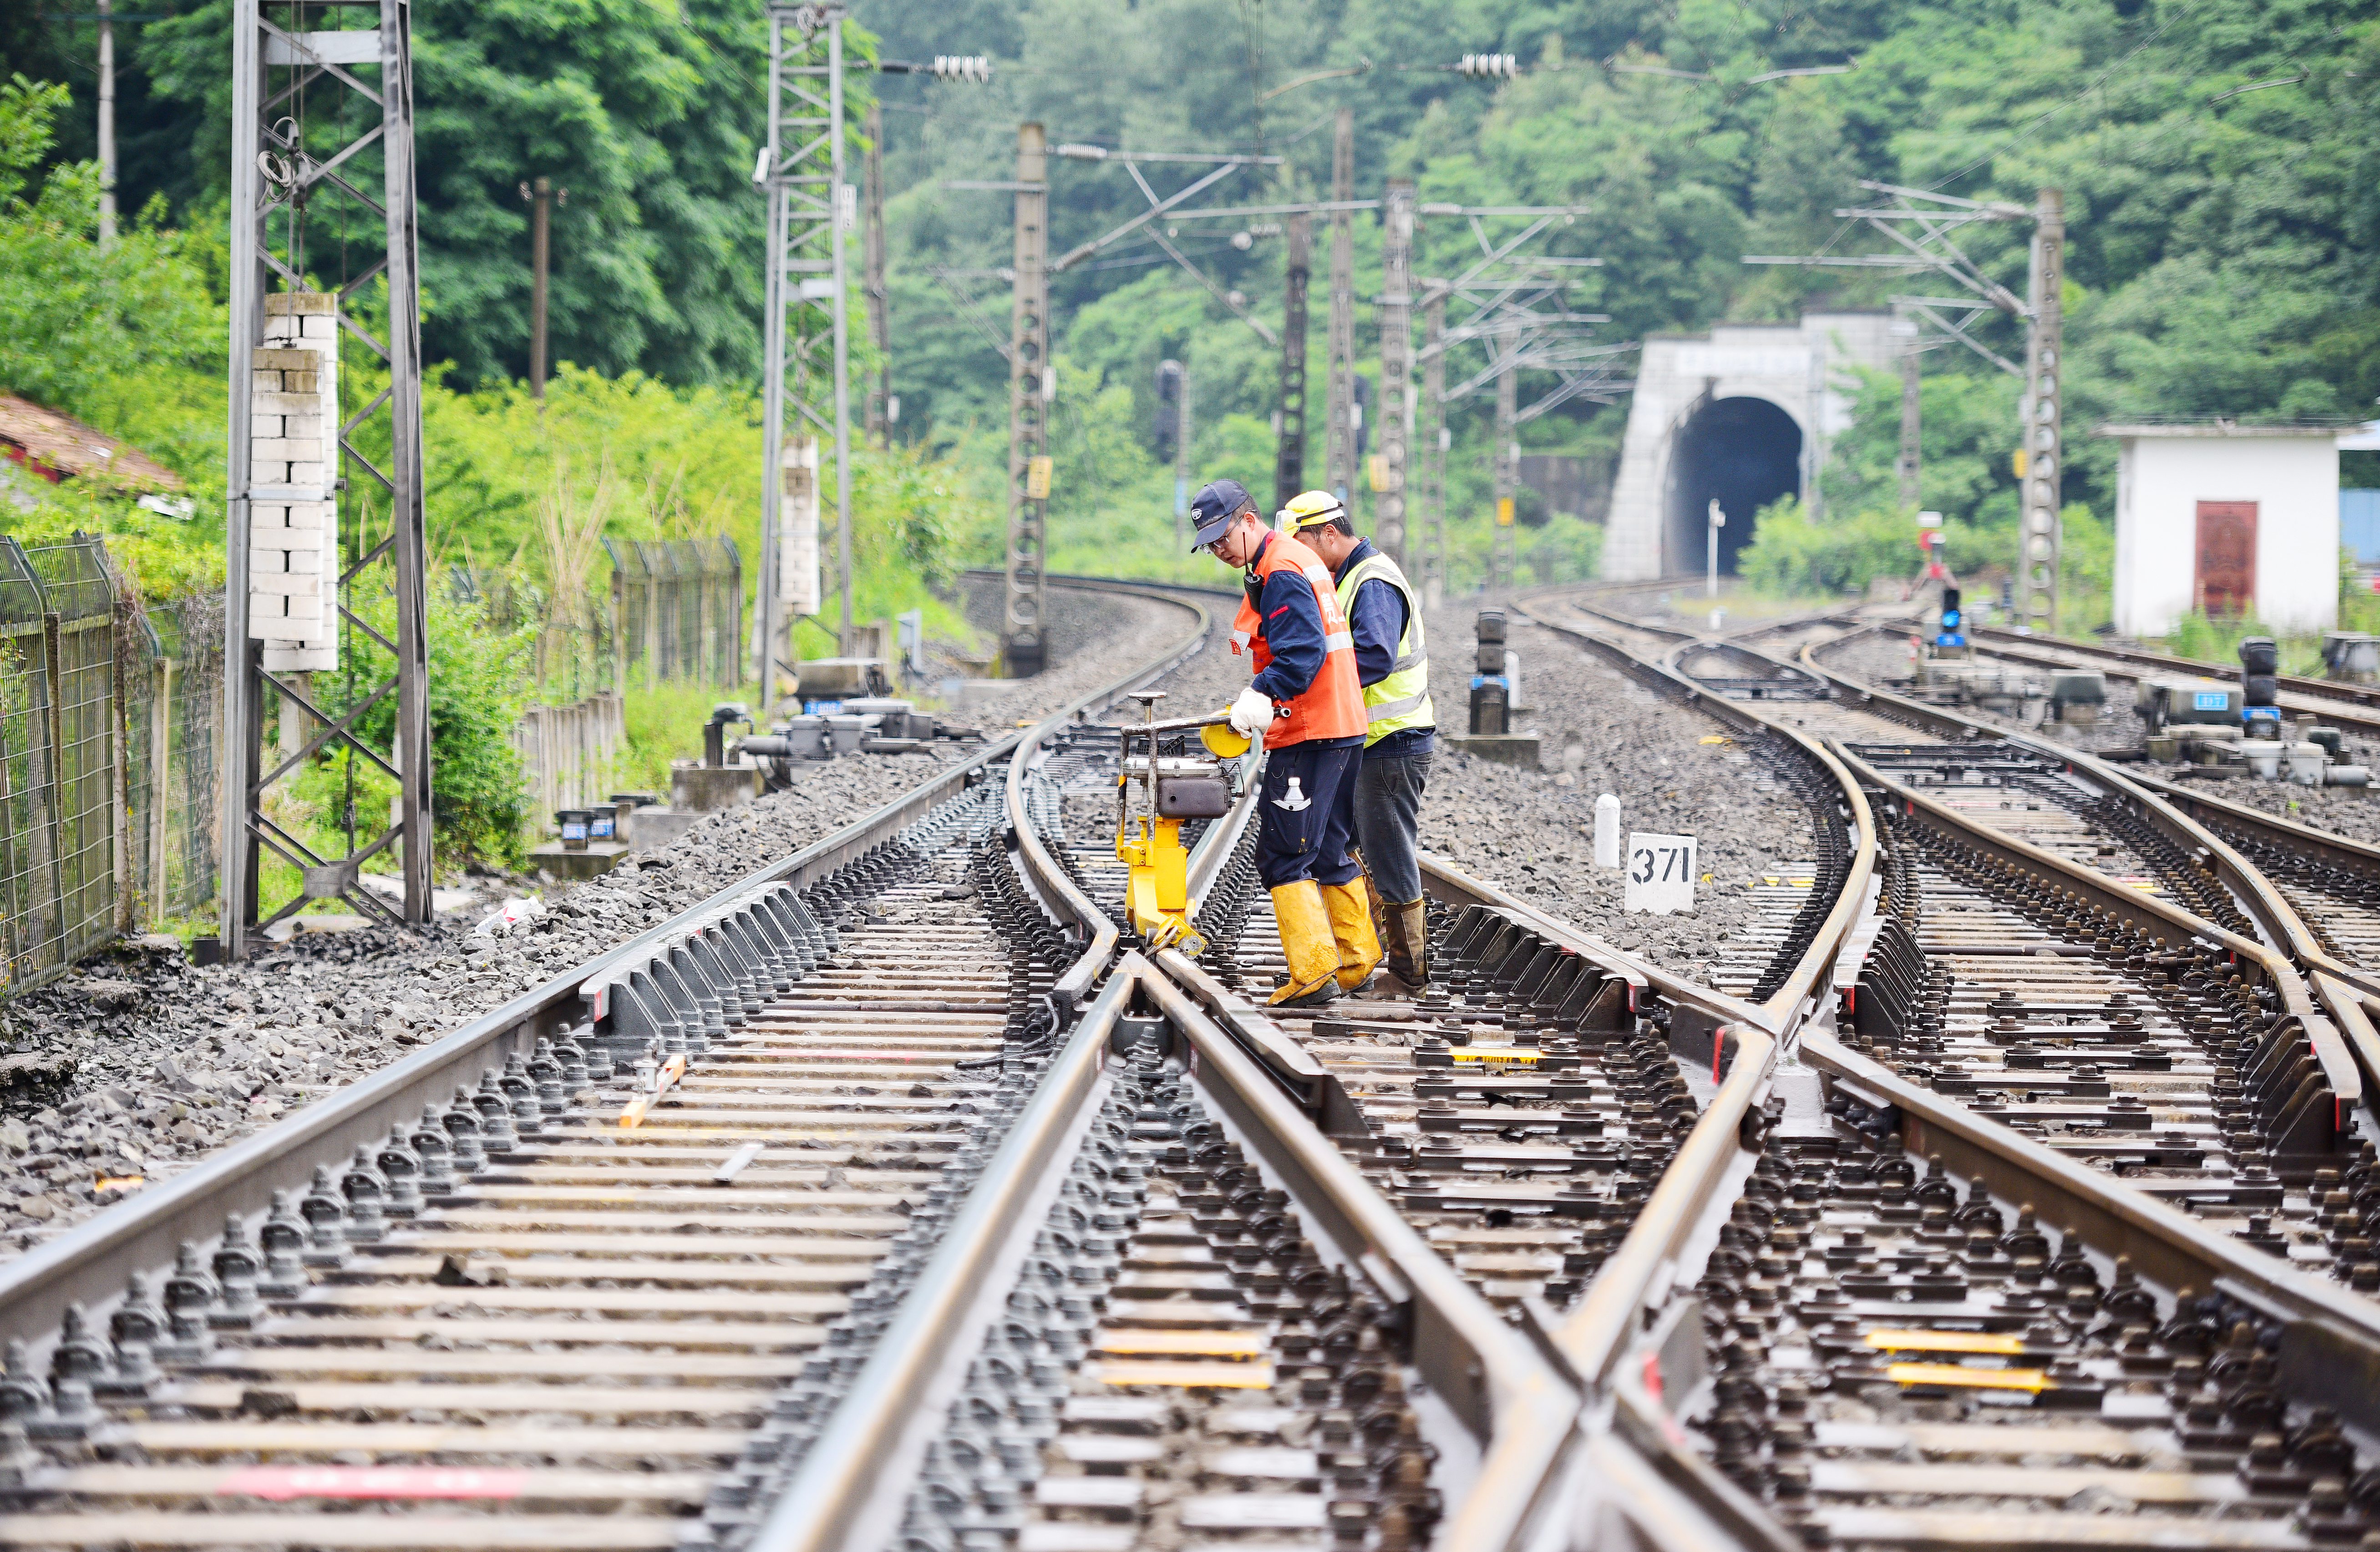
{"type": "Point", "coordinates": [1661, 874]}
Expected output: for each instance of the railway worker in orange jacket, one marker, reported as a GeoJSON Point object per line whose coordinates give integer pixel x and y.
{"type": "Point", "coordinates": [1307, 702]}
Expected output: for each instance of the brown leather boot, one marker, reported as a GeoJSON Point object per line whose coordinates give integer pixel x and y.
{"type": "Point", "coordinates": [1407, 941]}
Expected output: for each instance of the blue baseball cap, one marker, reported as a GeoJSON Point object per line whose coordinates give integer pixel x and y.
{"type": "Point", "coordinates": [1213, 509]}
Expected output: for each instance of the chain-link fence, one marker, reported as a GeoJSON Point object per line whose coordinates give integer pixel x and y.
{"type": "Point", "coordinates": [111, 742]}
{"type": "Point", "coordinates": [677, 612]}
{"type": "Point", "coordinates": [90, 832]}
{"type": "Point", "coordinates": [186, 719]}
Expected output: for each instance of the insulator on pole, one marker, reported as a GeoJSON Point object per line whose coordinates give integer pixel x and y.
{"type": "Point", "coordinates": [976, 68]}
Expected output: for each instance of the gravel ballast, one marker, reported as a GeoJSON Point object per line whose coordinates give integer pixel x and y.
{"type": "Point", "coordinates": [1675, 770]}
{"type": "Point", "coordinates": [141, 1063]}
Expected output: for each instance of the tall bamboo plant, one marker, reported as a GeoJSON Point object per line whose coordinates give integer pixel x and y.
{"type": "Point", "coordinates": [565, 542]}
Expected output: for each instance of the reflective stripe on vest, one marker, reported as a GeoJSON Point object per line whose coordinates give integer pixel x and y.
{"type": "Point", "coordinates": [1400, 698]}
{"type": "Point", "coordinates": [1332, 706]}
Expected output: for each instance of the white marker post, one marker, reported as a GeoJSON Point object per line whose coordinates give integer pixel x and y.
{"type": "Point", "coordinates": [1607, 832]}
{"type": "Point", "coordinates": [1661, 873]}
{"type": "Point", "coordinates": [1717, 521]}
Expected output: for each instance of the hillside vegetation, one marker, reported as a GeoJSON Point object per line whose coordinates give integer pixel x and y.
{"type": "Point", "coordinates": [2217, 167]}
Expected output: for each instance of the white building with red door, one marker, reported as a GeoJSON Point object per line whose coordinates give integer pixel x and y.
{"type": "Point", "coordinates": [2230, 518]}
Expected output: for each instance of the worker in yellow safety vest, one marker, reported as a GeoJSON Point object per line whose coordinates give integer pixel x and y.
{"type": "Point", "coordinates": [1384, 617]}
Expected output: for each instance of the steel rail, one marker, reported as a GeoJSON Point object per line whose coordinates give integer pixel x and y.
{"type": "Point", "coordinates": [1498, 1384]}
{"type": "Point", "coordinates": [2260, 960]}
{"type": "Point", "coordinates": [1779, 1019]}
{"type": "Point", "coordinates": [1057, 887]}
{"type": "Point", "coordinates": [2352, 1067]}
{"type": "Point", "coordinates": [1649, 1261]}
{"type": "Point", "coordinates": [2357, 855]}
{"type": "Point", "coordinates": [2332, 1346]}
{"type": "Point", "coordinates": [1519, 1406]}
{"type": "Point", "coordinates": [856, 1473]}
{"type": "Point", "coordinates": [2333, 1350]}
{"type": "Point", "coordinates": [91, 1264]}
{"type": "Point", "coordinates": [2303, 839]}
{"type": "Point", "coordinates": [1601, 1332]}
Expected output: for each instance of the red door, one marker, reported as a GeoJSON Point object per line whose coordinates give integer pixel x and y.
{"type": "Point", "coordinates": [2226, 557]}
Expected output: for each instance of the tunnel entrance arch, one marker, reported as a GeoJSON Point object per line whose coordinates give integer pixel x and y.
{"type": "Point", "coordinates": [1744, 451]}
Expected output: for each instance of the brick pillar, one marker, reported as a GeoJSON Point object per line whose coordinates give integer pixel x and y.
{"type": "Point", "coordinates": [293, 548]}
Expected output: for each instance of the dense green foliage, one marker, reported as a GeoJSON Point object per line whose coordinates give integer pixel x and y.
{"type": "Point", "coordinates": [477, 691]}
{"type": "Point", "coordinates": [132, 339]}
{"type": "Point", "coordinates": [646, 116]}
{"type": "Point", "coordinates": [2216, 233]}
{"type": "Point", "coordinates": [2217, 167]}
{"type": "Point", "coordinates": [71, 313]}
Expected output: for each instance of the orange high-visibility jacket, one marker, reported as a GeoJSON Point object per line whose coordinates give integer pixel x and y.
{"type": "Point", "coordinates": [1332, 706]}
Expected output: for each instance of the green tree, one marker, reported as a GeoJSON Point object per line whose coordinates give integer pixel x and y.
{"type": "Point", "coordinates": [648, 116]}
{"type": "Point", "coordinates": [73, 314]}
{"type": "Point", "coordinates": [1966, 437]}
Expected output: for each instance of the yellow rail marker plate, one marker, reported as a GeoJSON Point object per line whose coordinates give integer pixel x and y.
{"type": "Point", "coordinates": [1960, 1376]}
{"type": "Point", "coordinates": [1194, 1345]}
{"type": "Point", "coordinates": [1492, 1053]}
{"type": "Point", "coordinates": [1187, 1376]}
{"type": "Point", "coordinates": [1944, 1342]}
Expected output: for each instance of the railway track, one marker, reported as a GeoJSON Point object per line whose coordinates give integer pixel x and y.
{"type": "Point", "coordinates": [1915, 1330]}
{"type": "Point", "coordinates": [899, 1198]}
{"type": "Point", "coordinates": [584, 1274]}
{"type": "Point", "coordinates": [893, 1197]}
{"type": "Point", "coordinates": [2332, 880]}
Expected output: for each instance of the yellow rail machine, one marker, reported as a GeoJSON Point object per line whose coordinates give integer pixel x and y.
{"type": "Point", "coordinates": [1155, 793]}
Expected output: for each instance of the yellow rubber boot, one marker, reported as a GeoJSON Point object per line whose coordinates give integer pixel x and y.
{"type": "Point", "coordinates": [1351, 930]}
{"type": "Point", "coordinates": [1306, 944]}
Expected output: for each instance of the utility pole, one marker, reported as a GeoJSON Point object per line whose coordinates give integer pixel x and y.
{"type": "Point", "coordinates": [1911, 346]}
{"type": "Point", "coordinates": [284, 577]}
{"type": "Point", "coordinates": [1339, 471]}
{"type": "Point", "coordinates": [881, 413]}
{"type": "Point", "coordinates": [1434, 439]}
{"type": "Point", "coordinates": [839, 225]}
{"type": "Point", "coordinates": [1182, 464]}
{"type": "Point", "coordinates": [1289, 443]}
{"type": "Point", "coordinates": [1031, 386]}
{"type": "Point", "coordinates": [1508, 478]}
{"type": "Point", "coordinates": [1396, 367]}
{"type": "Point", "coordinates": [2044, 416]}
{"type": "Point", "coordinates": [106, 124]}
{"type": "Point", "coordinates": [1924, 228]}
{"type": "Point", "coordinates": [807, 327]}
{"type": "Point", "coordinates": [540, 196]}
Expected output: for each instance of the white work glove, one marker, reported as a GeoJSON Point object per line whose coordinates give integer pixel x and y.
{"type": "Point", "coordinates": [1252, 713]}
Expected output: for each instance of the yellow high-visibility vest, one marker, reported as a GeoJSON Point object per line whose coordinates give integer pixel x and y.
{"type": "Point", "coordinates": [1401, 699]}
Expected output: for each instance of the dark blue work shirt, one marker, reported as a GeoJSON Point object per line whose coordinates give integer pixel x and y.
{"type": "Point", "coordinates": [1378, 624]}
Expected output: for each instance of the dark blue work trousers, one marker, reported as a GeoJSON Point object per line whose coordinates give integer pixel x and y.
{"type": "Point", "coordinates": [1306, 814]}
{"type": "Point", "coordinates": [1388, 820]}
